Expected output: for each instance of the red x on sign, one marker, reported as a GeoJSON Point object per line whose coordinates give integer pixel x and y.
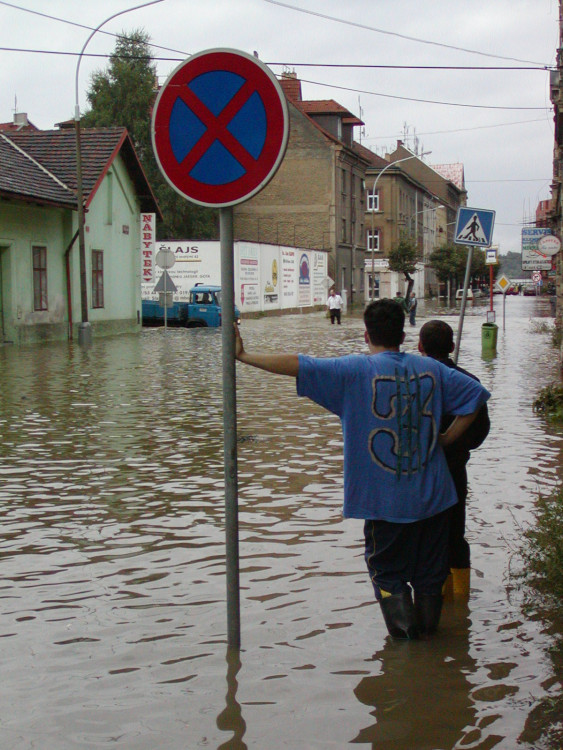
{"type": "Point", "coordinates": [220, 127]}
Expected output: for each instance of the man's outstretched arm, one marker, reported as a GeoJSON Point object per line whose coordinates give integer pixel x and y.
{"type": "Point", "coordinates": [280, 364]}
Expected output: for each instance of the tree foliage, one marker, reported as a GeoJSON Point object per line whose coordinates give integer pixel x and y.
{"type": "Point", "coordinates": [450, 261]}
{"type": "Point", "coordinates": [403, 259]}
{"type": "Point", "coordinates": [124, 94]}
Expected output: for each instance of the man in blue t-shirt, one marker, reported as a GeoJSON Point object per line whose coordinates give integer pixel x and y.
{"type": "Point", "coordinates": [395, 474]}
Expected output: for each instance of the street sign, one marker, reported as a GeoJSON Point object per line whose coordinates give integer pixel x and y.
{"type": "Point", "coordinates": [532, 258]}
{"type": "Point", "coordinates": [491, 256]}
{"type": "Point", "coordinates": [536, 277]}
{"type": "Point", "coordinates": [220, 127]}
{"type": "Point", "coordinates": [474, 226]}
{"type": "Point", "coordinates": [549, 245]}
{"type": "Point", "coordinates": [165, 284]}
{"type": "Point", "coordinates": [165, 258]}
{"type": "Point", "coordinates": [503, 283]}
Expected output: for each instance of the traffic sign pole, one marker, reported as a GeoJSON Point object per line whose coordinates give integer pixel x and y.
{"type": "Point", "coordinates": [463, 302]}
{"type": "Point", "coordinates": [219, 130]}
{"type": "Point", "coordinates": [230, 424]}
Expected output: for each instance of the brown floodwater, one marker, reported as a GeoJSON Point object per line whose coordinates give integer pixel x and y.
{"type": "Point", "coordinates": [112, 590]}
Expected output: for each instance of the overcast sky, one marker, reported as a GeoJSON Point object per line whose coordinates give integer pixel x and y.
{"type": "Point", "coordinates": [353, 52]}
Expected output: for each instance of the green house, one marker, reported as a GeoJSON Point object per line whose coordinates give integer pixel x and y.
{"type": "Point", "coordinates": [40, 280]}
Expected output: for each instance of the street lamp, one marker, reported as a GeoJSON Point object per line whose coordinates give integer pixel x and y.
{"type": "Point", "coordinates": [84, 330]}
{"type": "Point", "coordinates": [385, 168]}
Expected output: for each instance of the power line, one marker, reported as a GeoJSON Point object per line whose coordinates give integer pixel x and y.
{"type": "Point", "coordinates": [377, 66]}
{"type": "Point", "coordinates": [413, 99]}
{"type": "Point", "coordinates": [304, 80]}
{"type": "Point", "coordinates": [400, 36]}
{"type": "Point", "coordinates": [458, 130]}
{"type": "Point", "coordinates": [517, 179]}
{"type": "Point", "coordinates": [352, 66]}
{"type": "Point", "coordinates": [80, 25]}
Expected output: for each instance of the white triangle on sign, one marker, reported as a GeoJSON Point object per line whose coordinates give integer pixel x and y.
{"type": "Point", "coordinates": [473, 231]}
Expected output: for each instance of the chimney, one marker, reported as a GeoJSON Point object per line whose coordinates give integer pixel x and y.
{"type": "Point", "coordinates": [20, 120]}
{"type": "Point", "coordinates": [291, 85]}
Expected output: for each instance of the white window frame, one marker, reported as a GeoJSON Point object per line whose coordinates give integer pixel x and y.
{"type": "Point", "coordinates": [372, 202]}
{"type": "Point", "coordinates": [376, 248]}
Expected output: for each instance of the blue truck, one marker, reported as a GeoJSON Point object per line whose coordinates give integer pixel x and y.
{"type": "Point", "coordinates": [202, 311]}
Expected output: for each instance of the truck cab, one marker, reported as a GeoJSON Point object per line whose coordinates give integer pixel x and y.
{"type": "Point", "coordinates": [204, 307]}
{"type": "Point", "coordinates": [203, 310]}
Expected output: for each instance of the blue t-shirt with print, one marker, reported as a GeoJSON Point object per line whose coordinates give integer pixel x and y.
{"type": "Point", "coordinates": [391, 405]}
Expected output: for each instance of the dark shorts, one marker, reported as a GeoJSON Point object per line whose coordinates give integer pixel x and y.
{"type": "Point", "coordinates": [399, 554]}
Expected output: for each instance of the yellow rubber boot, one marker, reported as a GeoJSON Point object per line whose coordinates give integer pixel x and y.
{"type": "Point", "coordinates": [460, 582]}
{"type": "Point", "coordinates": [448, 587]}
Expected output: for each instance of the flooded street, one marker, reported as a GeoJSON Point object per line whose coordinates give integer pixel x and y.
{"type": "Point", "coordinates": [112, 593]}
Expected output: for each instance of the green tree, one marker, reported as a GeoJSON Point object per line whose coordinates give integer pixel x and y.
{"type": "Point", "coordinates": [124, 94]}
{"type": "Point", "coordinates": [450, 262]}
{"type": "Point", "coordinates": [403, 259]}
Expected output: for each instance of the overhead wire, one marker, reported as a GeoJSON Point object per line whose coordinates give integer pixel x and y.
{"type": "Point", "coordinates": [399, 35]}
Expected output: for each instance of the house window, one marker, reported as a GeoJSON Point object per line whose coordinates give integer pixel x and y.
{"type": "Point", "coordinates": [373, 240]}
{"type": "Point", "coordinates": [40, 278]}
{"type": "Point", "coordinates": [97, 278]}
{"type": "Point", "coordinates": [344, 231]}
{"type": "Point", "coordinates": [373, 200]}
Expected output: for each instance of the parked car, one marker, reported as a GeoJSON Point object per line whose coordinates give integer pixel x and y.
{"type": "Point", "coordinates": [471, 293]}
{"type": "Point", "coordinates": [529, 290]}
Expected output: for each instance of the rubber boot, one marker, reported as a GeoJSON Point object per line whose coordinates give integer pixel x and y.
{"type": "Point", "coordinates": [428, 608]}
{"type": "Point", "coordinates": [399, 615]}
{"type": "Point", "coordinates": [460, 580]}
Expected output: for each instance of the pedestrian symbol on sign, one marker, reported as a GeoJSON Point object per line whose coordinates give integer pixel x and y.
{"type": "Point", "coordinates": [473, 231]}
{"type": "Point", "coordinates": [474, 226]}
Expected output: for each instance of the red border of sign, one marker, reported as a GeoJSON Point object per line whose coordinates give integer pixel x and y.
{"type": "Point", "coordinates": [277, 127]}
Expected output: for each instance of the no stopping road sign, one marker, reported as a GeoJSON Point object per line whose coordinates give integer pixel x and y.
{"type": "Point", "coordinates": [220, 127]}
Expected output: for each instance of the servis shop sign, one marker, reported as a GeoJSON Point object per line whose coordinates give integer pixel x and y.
{"type": "Point", "coordinates": [537, 249]}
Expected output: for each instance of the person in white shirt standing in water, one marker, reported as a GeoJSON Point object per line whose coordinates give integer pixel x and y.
{"type": "Point", "coordinates": [334, 306]}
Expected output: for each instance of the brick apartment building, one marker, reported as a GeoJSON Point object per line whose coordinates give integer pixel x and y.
{"type": "Point", "coordinates": [316, 199]}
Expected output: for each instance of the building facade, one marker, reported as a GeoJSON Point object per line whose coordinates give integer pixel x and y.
{"type": "Point", "coordinates": [40, 276]}
{"type": "Point", "coordinates": [406, 197]}
{"type": "Point", "coordinates": [316, 199]}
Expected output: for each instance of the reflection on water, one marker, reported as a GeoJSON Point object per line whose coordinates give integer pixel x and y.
{"type": "Point", "coordinates": [113, 616]}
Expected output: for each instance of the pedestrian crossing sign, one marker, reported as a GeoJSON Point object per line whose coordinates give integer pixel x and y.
{"type": "Point", "coordinates": [474, 226]}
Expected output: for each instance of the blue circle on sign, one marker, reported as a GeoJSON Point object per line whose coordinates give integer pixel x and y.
{"type": "Point", "coordinates": [215, 89]}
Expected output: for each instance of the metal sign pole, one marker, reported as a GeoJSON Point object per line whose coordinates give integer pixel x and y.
{"type": "Point", "coordinates": [230, 424]}
{"type": "Point", "coordinates": [165, 303]}
{"type": "Point", "coordinates": [463, 302]}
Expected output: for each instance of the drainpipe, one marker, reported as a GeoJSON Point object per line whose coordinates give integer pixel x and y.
{"type": "Point", "coordinates": [68, 284]}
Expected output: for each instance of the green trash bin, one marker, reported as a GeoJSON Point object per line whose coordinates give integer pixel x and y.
{"type": "Point", "coordinates": [489, 333]}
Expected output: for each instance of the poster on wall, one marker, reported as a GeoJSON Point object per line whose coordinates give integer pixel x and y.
{"type": "Point", "coordinates": [195, 263]}
{"type": "Point", "coordinates": [289, 276]}
{"type": "Point", "coordinates": [304, 286]}
{"type": "Point", "coordinates": [320, 278]}
{"type": "Point", "coordinates": [247, 276]}
{"type": "Point", "coordinates": [148, 234]}
{"type": "Point", "coordinates": [270, 276]}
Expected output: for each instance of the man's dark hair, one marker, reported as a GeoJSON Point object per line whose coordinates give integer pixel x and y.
{"type": "Point", "coordinates": [437, 339]}
{"type": "Point", "coordinates": [385, 321]}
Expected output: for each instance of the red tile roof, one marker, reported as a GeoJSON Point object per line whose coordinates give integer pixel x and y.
{"type": "Point", "coordinates": [54, 152]}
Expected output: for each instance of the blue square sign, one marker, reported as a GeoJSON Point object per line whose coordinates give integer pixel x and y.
{"type": "Point", "coordinates": [474, 226]}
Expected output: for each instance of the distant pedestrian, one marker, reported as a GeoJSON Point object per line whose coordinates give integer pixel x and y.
{"type": "Point", "coordinates": [334, 306]}
{"type": "Point", "coordinates": [402, 301]}
{"type": "Point", "coordinates": [413, 302]}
